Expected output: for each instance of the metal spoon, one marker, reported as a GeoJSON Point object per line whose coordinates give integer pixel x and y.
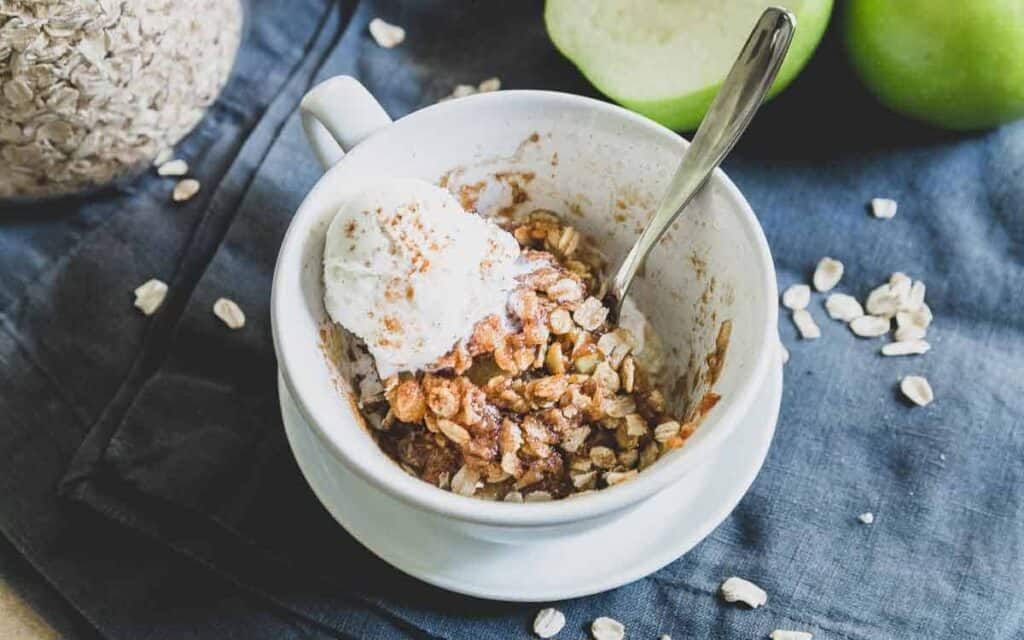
{"type": "Point", "coordinates": [728, 116]}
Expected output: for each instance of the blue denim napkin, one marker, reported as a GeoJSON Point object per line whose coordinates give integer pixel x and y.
{"type": "Point", "coordinates": [179, 495]}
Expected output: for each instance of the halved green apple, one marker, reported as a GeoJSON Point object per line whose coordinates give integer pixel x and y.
{"type": "Point", "coordinates": [667, 58]}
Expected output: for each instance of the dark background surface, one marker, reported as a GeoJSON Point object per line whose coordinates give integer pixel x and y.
{"type": "Point", "coordinates": [150, 492]}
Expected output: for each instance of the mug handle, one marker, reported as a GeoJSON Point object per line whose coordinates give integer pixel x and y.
{"type": "Point", "coordinates": [338, 114]}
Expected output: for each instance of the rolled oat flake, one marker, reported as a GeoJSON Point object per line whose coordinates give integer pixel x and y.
{"type": "Point", "coordinates": [150, 295]}
{"type": "Point", "coordinates": [488, 85]}
{"type": "Point", "coordinates": [538, 496]}
{"type": "Point", "coordinates": [185, 190]}
{"type": "Point", "coordinates": [173, 168]}
{"type": "Point", "coordinates": [828, 274]}
{"type": "Point", "coordinates": [806, 325]}
{"type": "Point", "coordinates": [884, 208]}
{"type": "Point", "coordinates": [385, 34]}
{"type": "Point", "coordinates": [906, 348]}
{"type": "Point", "coordinates": [900, 285]}
{"type": "Point", "coordinates": [882, 301]}
{"type": "Point", "coordinates": [870, 326]}
{"type": "Point", "coordinates": [465, 480]}
{"type": "Point", "coordinates": [916, 297]}
{"type": "Point", "coordinates": [917, 390]}
{"type": "Point", "coordinates": [607, 629]}
{"type": "Point", "coordinates": [165, 156]}
{"type": "Point", "coordinates": [796, 296]}
{"type": "Point", "coordinates": [784, 634]}
{"type": "Point", "coordinates": [229, 312]}
{"type": "Point", "coordinates": [920, 317]}
{"type": "Point", "coordinates": [841, 306]}
{"type": "Point", "coordinates": [548, 623]}
{"type": "Point", "coordinates": [909, 333]}
{"type": "Point", "coordinates": [739, 590]}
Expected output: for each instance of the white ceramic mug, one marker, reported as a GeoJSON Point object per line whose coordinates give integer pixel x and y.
{"type": "Point", "coordinates": [604, 164]}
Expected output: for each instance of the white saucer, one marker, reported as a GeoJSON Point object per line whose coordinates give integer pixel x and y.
{"type": "Point", "coordinates": [653, 534]}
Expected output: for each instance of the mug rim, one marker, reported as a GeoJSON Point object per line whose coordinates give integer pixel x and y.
{"type": "Point", "coordinates": [417, 493]}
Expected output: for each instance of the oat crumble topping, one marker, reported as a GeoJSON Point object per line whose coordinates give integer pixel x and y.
{"type": "Point", "coordinates": [550, 402]}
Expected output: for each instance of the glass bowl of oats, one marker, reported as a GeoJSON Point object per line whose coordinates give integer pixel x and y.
{"type": "Point", "coordinates": [547, 419]}
{"type": "Point", "coordinates": [92, 92]}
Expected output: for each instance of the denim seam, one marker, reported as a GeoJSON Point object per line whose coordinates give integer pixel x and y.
{"type": "Point", "coordinates": [164, 325]}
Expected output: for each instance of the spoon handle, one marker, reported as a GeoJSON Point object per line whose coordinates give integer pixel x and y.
{"type": "Point", "coordinates": [727, 118]}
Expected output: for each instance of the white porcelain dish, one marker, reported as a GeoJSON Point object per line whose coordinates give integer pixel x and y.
{"type": "Point", "coordinates": [658, 531]}
{"type": "Point", "coordinates": [598, 161]}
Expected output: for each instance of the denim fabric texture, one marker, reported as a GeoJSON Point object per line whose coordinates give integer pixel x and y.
{"type": "Point", "coordinates": [148, 482]}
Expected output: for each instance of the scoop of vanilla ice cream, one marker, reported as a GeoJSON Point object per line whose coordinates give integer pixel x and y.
{"type": "Point", "coordinates": [409, 271]}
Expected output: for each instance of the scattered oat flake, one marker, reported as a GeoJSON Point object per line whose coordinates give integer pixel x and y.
{"type": "Point", "coordinates": [917, 390]}
{"type": "Point", "coordinates": [796, 296]}
{"type": "Point", "coordinates": [150, 295]}
{"type": "Point", "coordinates": [900, 284]}
{"type": "Point", "coordinates": [548, 623]}
{"type": "Point", "coordinates": [916, 298]}
{"type": "Point", "coordinates": [607, 629]}
{"type": "Point", "coordinates": [229, 312]}
{"type": "Point", "coordinates": [920, 318]}
{"type": "Point", "coordinates": [784, 634]}
{"type": "Point", "coordinates": [883, 208]}
{"type": "Point", "coordinates": [870, 326]}
{"type": "Point", "coordinates": [866, 518]}
{"type": "Point", "coordinates": [827, 274]}
{"type": "Point", "coordinates": [882, 302]}
{"type": "Point", "coordinates": [460, 91]}
{"type": "Point", "coordinates": [185, 190]}
{"type": "Point", "coordinates": [841, 306]}
{"type": "Point", "coordinates": [386, 35]}
{"type": "Point", "coordinates": [664, 636]}
{"type": "Point", "coordinates": [906, 348]}
{"type": "Point", "coordinates": [739, 590]}
{"type": "Point", "coordinates": [488, 85]}
{"type": "Point", "coordinates": [805, 324]}
{"type": "Point", "coordinates": [165, 156]}
{"type": "Point", "coordinates": [783, 352]}
{"type": "Point", "coordinates": [909, 333]}
{"type": "Point", "coordinates": [176, 168]}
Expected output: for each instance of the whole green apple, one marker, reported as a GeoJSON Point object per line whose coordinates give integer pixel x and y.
{"type": "Point", "coordinates": [957, 64]}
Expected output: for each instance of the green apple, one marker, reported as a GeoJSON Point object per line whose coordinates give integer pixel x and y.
{"type": "Point", "coordinates": [958, 64]}
{"type": "Point", "coordinates": [667, 58]}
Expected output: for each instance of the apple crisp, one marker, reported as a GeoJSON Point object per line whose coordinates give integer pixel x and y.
{"type": "Point", "coordinates": [552, 401]}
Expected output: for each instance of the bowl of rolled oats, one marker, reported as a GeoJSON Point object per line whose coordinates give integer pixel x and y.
{"type": "Point", "coordinates": [91, 92]}
{"type": "Point", "coordinates": [551, 418]}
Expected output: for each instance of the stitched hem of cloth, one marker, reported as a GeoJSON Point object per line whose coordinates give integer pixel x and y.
{"type": "Point", "coordinates": [215, 222]}
{"type": "Point", "coordinates": [252, 568]}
